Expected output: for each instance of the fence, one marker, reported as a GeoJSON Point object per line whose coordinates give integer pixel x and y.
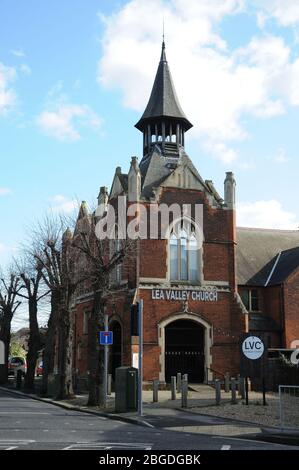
{"type": "Point", "coordinates": [289, 406]}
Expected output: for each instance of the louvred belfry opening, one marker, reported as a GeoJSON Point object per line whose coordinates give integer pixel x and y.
{"type": "Point", "coordinates": [163, 122]}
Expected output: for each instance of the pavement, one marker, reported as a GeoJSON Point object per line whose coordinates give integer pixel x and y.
{"type": "Point", "coordinates": [28, 423]}
{"type": "Point", "coordinates": [163, 417]}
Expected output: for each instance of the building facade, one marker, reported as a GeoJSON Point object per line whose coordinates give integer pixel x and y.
{"type": "Point", "coordinates": [202, 285]}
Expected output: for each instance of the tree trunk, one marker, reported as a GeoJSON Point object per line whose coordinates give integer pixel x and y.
{"type": "Point", "coordinates": [33, 345]}
{"type": "Point", "coordinates": [5, 334]}
{"type": "Point", "coordinates": [65, 351]}
{"type": "Point", "coordinates": [48, 355]}
{"type": "Point", "coordinates": [95, 356]}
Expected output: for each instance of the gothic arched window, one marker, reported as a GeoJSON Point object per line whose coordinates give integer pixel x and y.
{"type": "Point", "coordinates": [183, 253]}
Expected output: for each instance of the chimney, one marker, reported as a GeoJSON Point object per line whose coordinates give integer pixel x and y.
{"type": "Point", "coordinates": [230, 190]}
{"type": "Point", "coordinates": [102, 201]}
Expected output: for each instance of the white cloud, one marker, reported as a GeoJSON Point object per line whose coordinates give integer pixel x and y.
{"type": "Point", "coordinates": [217, 87]}
{"type": "Point", "coordinates": [65, 121]}
{"type": "Point", "coordinates": [265, 214]}
{"type": "Point", "coordinates": [281, 156]}
{"type": "Point", "coordinates": [6, 253]}
{"type": "Point", "coordinates": [221, 151]}
{"type": "Point", "coordinates": [25, 69]}
{"type": "Point", "coordinates": [18, 52]}
{"type": "Point", "coordinates": [286, 12]}
{"type": "Point", "coordinates": [7, 94]}
{"type": "Point", "coordinates": [4, 191]}
{"type": "Point", "coordinates": [63, 204]}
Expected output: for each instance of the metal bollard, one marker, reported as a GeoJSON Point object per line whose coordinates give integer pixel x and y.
{"type": "Point", "coordinates": [242, 387]}
{"type": "Point", "coordinates": [179, 382]}
{"type": "Point", "coordinates": [109, 384]}
{"type": "Point", "coordinates": [155, 390]}
{"type": "Point", "coordinates": [226, 382]}
{"type": "Point", "coordinates": [218, 391]}
{"type": "Point", "coordinates": [185, 377]}
{"type": "Point", "coordinates": [184, 393]}
{"type": "Point", "coordinates": [173, 387]}
{"type": "Point", "coordinates": [238, 384]}
{"type": "Point", "coordinates": [233, 388]}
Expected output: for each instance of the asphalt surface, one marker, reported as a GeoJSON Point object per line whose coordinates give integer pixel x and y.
{"type": "Point", "coordinates": [26, 423]}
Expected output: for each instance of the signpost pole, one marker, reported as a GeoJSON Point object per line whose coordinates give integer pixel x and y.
{"type": "Point", "coordinates": [140, 352]}
{"type": "Point", "coordinates": [246, 389]}
{"type": "Point", "coordinates": [105, 384]}
{"type": "Point", "coordinates": [264, 392]}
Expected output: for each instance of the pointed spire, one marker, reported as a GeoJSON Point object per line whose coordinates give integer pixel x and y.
{"type": "Point", "coordinates": [163, 53]}
{"type": "Point", "coordinates": [163, 102]}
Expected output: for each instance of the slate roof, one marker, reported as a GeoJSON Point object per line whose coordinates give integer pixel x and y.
{"type": "Point", "coordinates": [287, 262]}
{"type": "Point", "coordinates": [154, 169]}
{"type": "Point", "coordinates": [123, 178]}
{"type": "Point", "coordinates": [163, 100]}
{"type": "Point", "coordinates": [257, 252]}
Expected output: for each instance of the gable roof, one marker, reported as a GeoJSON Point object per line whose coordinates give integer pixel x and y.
{"type": "Point", "coordinates": [287, 262]}
{"type": "Point", "coordinates": [257, 255]}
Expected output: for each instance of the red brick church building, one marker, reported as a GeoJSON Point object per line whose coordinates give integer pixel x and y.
{"type": "Point", "coordinates": [196, 301]}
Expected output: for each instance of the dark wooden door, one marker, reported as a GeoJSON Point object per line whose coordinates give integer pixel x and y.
{"type": "Point", "coordinates": [184, 350]}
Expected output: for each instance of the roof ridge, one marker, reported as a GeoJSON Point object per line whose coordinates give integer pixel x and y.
{"type": "Point", "coordinates": [268, 229]}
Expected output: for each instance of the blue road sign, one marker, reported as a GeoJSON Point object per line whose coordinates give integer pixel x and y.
{"type": "Point", "coordinates": [106, 337]}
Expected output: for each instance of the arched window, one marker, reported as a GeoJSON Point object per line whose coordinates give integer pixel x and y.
{"type": "Point", "coordinates": [183, 253]}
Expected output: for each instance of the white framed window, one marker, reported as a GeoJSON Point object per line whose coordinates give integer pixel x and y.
{"type": "Point", "coordinates": [184, 253]}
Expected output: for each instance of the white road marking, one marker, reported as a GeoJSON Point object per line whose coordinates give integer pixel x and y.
{"type": "Point", "coordinates": [225, 447]}
{"type": "Point", "coordinates": [19, 441]}
{"type": "Point", "coordinates": [12, 444]}
{"type": "Point", "coordinates": [148, 424]}
{"type": "Point", "coordinates": [109, 445]}
{"type": "Point", "coordinates": [23, 413]}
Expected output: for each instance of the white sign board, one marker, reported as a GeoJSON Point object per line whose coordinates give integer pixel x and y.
{"type": "Point", "coordinates": [135, 360]}
{"type": "Point", "coordinates": [202, 295]}
{"type": "Point", "coordinates": [253, 347]}
{"type": "Point", "coordinates": [2, 353]}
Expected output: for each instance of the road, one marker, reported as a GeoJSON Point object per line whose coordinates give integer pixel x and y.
{"type": "Point", "coordinates": [26, 423]}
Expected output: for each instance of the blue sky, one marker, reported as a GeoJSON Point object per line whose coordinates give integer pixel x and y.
{"type": "Point", "coordinates": [75, 76]}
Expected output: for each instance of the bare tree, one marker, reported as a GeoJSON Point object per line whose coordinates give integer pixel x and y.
{"type": "Point", "coordinates": [51, 253]}
{"type": "Point", "coordinates": [9, 288]}
{"type": "Point", "coordinates": [30, 274]}
{"type": "Point", "coordinates": [100, 264]}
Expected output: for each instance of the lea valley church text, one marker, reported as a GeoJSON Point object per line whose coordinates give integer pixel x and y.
{"type": "Point", "coordinates": [173, 294]}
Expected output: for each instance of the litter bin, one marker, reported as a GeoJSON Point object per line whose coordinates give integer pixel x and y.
{"type": "Point", "coordinates": [126, 389]}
